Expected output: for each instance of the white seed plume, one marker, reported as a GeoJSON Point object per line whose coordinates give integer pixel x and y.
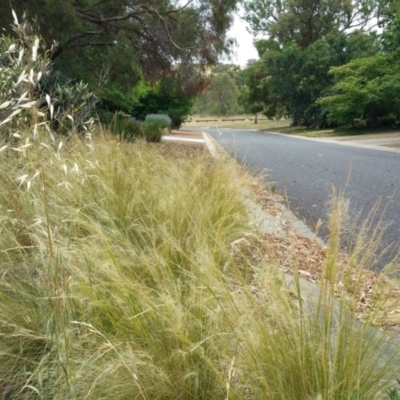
{"type": "Point", "coordinates": [21, 54]}
{"type": "Point", "coordinates": [5, 105]}
{"type": "Point", "coordinates": [31, 77]}
{"type": "Point", "coordinates": [38, 221]}
{"type": "Point", "coordinates": [21, 78]}
{"type": "Point", "coordinates": [35, 132]}
{"type": "Point", "coordinates": [15, 17]}
{"type": "Point", "coordinates": [22, 179]}
{"type": "Point", "coordinates": [35, 49]}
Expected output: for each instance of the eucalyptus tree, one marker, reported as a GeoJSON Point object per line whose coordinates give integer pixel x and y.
{"type": "Point", "coordinates": [366, 90]}
{"type": "Point", "coordinates": [298, 41]}
{"type": "Point", "coordinates": [127, 40]}
{"type": "Point", "coordinates": [306, 21]}
{"type": "Point", "coordinates": [221, 96]}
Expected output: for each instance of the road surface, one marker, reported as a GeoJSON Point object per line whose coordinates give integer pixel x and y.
{"type": "Point", "coordinates": [305, 171]}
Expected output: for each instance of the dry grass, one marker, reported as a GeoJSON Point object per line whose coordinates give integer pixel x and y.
{"type": "Point", "coordinates": [126, 272]}
{"type": "Point", "coordinates": [180, 150]}
{"type": "Point", "coordinates": [247, 124]}
{"type": "Point", "coordinates": [377, 135]}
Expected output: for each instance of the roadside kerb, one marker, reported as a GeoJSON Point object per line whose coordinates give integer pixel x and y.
{"type": "Point", "coordinates": [267, 223]}
{"type": "Point", "coordinates": [310, 291]}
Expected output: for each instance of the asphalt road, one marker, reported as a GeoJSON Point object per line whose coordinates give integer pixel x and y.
{"type": "Point", "coordinates": [305, 172]}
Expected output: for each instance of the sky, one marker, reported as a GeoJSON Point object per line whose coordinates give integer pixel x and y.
{"type": "Point", "coordinates": [245, 49]}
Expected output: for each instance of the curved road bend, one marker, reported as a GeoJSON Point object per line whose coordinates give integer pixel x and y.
{"type": "Point", "coordinates": [305, 171]}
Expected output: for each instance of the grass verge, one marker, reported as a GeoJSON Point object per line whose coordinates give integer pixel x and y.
{"type": "Point", "coordinates": [341, 133]}
{"type": "Point", "coordinates": [126, 273]}
{"type": "Point", "coordinates": [248, 122]}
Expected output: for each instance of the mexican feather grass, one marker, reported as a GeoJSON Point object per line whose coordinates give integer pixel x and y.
{"type": "Point", "coordinates": [118, 281]}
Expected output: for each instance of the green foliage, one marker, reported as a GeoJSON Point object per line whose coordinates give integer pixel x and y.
{"type": "Point", "coordinates": [74, 104]}
{"type": "Point", "coordinates": [257, 96]}
{"type": "Point", "coordinates": [306, 76]}
{"type": "Point", "coordinates": [129, 129]}
{"type": "Point", "coordinates": [221, 96]}
{"type": "Point", "coordinates": [123, 126]}
{"type": "Point", "coordinates": [390, 21]}
{"type": "Point", "coordinates": [154, 126]}
{"type": "Point", "coordinates": [366, 89]}
{"type": "Point", "coordinates": [394, 393]}
{"type": "Point", "coordinates": [165, 98]}
{"type": "Point", "coordinates": [151, 131]}
{"type": "Point", "coordinates": [162, 121]}
{"type": "Point", "coordinates": [305, 39]}
{"type": "Point", "coordinates": [264, 45]}
{"type": "Point", "coordinates": [30, 88]}
{"type": "Point", "coordinates": [304, 22]}
{"type": "Point", "coordinates": [113, 100]}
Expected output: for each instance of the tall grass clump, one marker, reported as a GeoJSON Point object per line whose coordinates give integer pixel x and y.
{"type": "Point", "coordinates": [154, 126]}
{"type": "Point", "coordinates": [113, 266]}
{"type": "Point", "coordinates": [129, 129]}
{"type": "Point", "coordinates": [314, 347]}
{"type": "Point", "coordinates": [125, 274]}
{"type": "Point", "coordinates": [125, 127]}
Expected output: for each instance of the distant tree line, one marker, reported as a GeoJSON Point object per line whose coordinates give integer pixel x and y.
{"type": "Point", "coordinates": [322, 63]}
{"type": "Point", "coordinates": [221, 96]}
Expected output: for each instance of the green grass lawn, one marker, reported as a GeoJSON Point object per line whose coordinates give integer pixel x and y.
{"type": "Point", "coordinates": [248, 123]}
{"type": "Point", "coordinates": [341, 133]}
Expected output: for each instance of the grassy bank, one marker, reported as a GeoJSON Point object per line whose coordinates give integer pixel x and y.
{"type": "Point", "coordinates": [126, 273]}
{"type": "Point", "coordinates": [234, 122]}
{"type": "Point", "coordinates": [345, 133]}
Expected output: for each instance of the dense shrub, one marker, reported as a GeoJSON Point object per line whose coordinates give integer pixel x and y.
{"type": "Point", "coordinates": [125, 127]}
{"type": "Point", "coordinates": [367, 89]}
{"type": "Point", "coordinates": [151, 131]}
{"type": "Point", "coordinates": [31, 90]}
{"type": "Point", "coordinates": [160, 120]}
{"type": "Point", "coordinates": [164, 99]}
{"type": "Point", "coordinates": [129, 129]}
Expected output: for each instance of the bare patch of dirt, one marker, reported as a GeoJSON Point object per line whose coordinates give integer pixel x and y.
{"type": "Point", "coordinates": [187, 134]}
{"type": "Point", "coordinates": [181, 149]}
{"type": "Point", "coordinates": [394, 144]}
